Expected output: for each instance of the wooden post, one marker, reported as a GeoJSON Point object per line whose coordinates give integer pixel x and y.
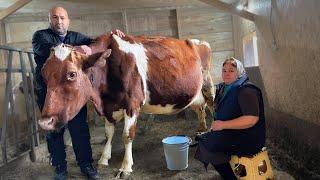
{"type": "Point", "coordinates": [178, 15]}
{"type": "Point", "coordinates": [2, 33]}
{"type": "Point", "coordinates": [125, 21]}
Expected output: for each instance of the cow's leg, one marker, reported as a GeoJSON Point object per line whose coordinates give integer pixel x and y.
{"type": "Point", "coordinates": [201, 112]}
{"type": "Point", "coordinates": [208, 90]}
{"type": "Point", "coordinates": [106, 154]}
{"type": "Point", "coordinates": [127, 137]}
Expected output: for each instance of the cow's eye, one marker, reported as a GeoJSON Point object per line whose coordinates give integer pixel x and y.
{"type": "Point", "coordinates": [71, 76]}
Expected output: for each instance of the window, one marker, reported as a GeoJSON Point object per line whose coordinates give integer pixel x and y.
{"type": "Point", "coordinates": [250, 50]}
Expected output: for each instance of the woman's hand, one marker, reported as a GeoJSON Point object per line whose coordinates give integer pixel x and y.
{"type": "Point", "coordinates": [118, 33]}
{"type": "Point", "coordinates": [217, 125]}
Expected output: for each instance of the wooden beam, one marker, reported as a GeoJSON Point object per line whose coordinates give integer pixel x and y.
{"type": "Point", "coordinates": [13, 8]}
{"type": "Point", "coordinates": [229, 8]}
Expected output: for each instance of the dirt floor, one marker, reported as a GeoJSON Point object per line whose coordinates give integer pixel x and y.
{"type": "Point", "coordinates": [148, 154]}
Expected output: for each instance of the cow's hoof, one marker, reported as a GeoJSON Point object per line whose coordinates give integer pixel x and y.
{"type": "Point", "coordinates": [102, 167]}
{"type": "Point", "coordinates": [122, 175]}
{"type": "Point", "coordinates": [103, 161]}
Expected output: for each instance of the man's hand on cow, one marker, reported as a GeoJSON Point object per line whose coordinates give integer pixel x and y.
{"type": "Point", "coordinates": [84, 49]}
{"type": "Point", "coordinates": [118, 33]}
{"type": "Point", "coordinates": [217, 125]}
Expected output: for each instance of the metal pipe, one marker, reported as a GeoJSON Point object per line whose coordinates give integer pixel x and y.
{"type": "Point", "coordinates": [28, 103]}
{"type": "Point", "coordinates": [6, 110]}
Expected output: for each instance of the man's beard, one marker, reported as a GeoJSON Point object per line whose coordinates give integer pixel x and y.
{"type": "Point", "coordinates": [60, 30]}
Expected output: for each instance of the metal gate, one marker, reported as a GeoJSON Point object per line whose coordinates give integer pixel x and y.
{"type": "Point", "coordinates": [32, 137]}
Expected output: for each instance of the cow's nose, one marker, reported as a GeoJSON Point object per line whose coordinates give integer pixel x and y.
{"type": "Point", "coordinates": [47, 123]}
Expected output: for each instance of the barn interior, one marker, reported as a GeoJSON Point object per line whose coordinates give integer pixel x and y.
{"type": "Point", "coordinates": [277, 40]}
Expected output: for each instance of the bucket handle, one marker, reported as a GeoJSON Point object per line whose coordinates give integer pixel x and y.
{"type": "Point", "coordinates": [190, 140]}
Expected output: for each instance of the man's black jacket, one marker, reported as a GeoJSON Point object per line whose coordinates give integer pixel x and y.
{"type": "Point", "coordinates": [43, 41]}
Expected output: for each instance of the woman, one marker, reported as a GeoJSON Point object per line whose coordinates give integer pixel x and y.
{"type": "Point", "coordinates": [239, 125]}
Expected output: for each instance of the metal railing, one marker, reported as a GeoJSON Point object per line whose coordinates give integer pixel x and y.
{"type": "Point", "coordinates": [29, 97]}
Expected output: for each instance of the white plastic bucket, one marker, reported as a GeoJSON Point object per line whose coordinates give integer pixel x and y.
{"type": "Point", "coordinates": [176, 150]}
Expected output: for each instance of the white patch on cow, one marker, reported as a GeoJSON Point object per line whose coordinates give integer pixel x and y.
{"type": "Point", "coordinates": [159, 109]}
{"type": "Point", "coordinates": [106, 154]}
{"type": "Point", "coordinates": [62, 51]}
{"type": "Point", "coordinates": [141, 59]}
{"type": "Point", "coordinates": [129, 121]}
{"type": "Point", "coordinates": [198, 42]}
{"type": "Point", "coordinates": [117, 115]}
{"type": "Point", "coordinates": [128, 160]}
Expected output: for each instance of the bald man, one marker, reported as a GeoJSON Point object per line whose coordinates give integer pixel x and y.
{"type": "Point", "coordinates": [42, 42]}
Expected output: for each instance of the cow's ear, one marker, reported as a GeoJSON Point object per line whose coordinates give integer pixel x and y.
{"type": "Point", "coordinates": [99, 58]}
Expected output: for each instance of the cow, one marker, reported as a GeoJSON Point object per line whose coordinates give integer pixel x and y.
{"type": "Point", "coordinates": [126, 76]}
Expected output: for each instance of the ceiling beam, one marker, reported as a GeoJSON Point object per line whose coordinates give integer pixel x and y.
{"type": "Point", "coordinates": [13, 8]}
{"type": "Point", "coordinates": [229, 8]}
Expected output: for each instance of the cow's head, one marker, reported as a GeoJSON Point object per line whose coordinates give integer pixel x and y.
{"type": "Point", "coordinates": [68, 87]}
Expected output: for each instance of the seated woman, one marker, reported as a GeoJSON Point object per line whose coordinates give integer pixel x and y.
{"type": "Point", "coordinates": [239, 125]}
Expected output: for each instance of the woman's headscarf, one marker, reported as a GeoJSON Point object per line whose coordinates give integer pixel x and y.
{"type": "Point", "coordinates": [238, 64]}
{"type": "Point", "coordinates": [240, 69]}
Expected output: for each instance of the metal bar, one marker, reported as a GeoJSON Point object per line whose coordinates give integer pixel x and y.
{"type": "Point", "coordinates": [10, 48]}
{"type": "Point", "coordinates": [32, 62]}
{"type": "Point", "coordinates": [27, 100]}
{"type": "Point", "coordinates": [34, 116]}
{"type": "Point", "coordinates": [6, 110]}
{"type": "Point", "coordinates": [33, 97]}
{"type": "Point", "coordinates": [17, 157]}
{"type": "Point", "coordinates": [14, 70]}
{"type": "Point", "coordinates": [16, 125]}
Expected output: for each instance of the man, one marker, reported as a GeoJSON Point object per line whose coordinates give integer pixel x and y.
{"type": "Point", "coordinates": [42, 42]}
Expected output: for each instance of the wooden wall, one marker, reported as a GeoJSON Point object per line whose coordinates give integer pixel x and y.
{"type": "Point", "coordinates": [212, 26]}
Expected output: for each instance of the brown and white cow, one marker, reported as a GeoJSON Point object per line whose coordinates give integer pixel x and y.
{"type": "Point", "coordinates": [124, 77]}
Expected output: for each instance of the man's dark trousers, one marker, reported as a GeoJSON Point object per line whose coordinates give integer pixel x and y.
{"type": "Point", "coordinates": [79, 132]}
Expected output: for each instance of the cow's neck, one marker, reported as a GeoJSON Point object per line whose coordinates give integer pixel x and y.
{"type": "Point", "coordinates": [97, 79]}
{"type": "Point", "coordinates": [101, 43]}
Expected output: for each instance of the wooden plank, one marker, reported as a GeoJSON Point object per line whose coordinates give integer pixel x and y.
{"type": "Point", "coordinates": [28, 17]}
{"type": "Point", "coordinates": [164, 32]}
{"type": "Point", "coordinates": [229, 8]}
{"type": "Point", "coordinates": [152, 23]}
{"type": "Point", "coordinates": [202, 28]}
{"type": "Point", "coordinates": [13, 8]}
